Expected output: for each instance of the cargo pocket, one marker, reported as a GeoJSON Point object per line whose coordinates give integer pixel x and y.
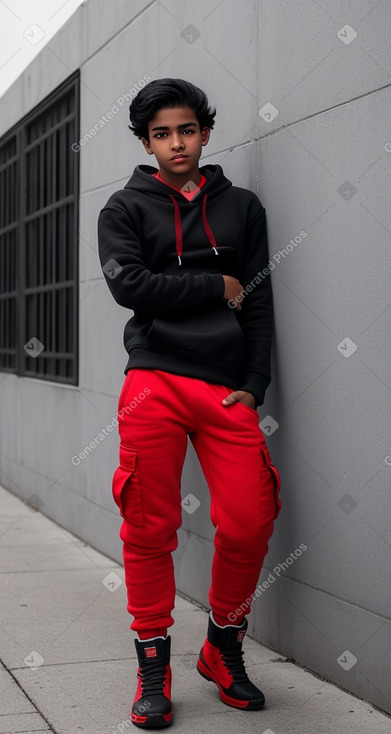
{"type": "Point", "coordinates": [270, 480]}
{"type": "Point", "coordinates": [126, 488]}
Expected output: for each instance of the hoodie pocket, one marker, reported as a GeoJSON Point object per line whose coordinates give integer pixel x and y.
{"type": "Point", "coordinates": [214, 335]}
{"type": "Point", "coordinates": [126, 487]}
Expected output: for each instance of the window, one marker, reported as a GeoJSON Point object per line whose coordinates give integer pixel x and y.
{"type": "Point", "coordinates": [39, 193]}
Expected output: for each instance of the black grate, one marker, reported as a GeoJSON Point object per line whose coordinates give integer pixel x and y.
{"type": "Point", "coordinates": [39, 194]}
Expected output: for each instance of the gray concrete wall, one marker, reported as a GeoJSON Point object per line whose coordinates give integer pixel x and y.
{"type": "Point", "coordinates": [319, 159]}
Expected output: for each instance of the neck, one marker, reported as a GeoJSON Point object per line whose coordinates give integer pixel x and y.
{"type": "Point", "coordinates": [180, 180]}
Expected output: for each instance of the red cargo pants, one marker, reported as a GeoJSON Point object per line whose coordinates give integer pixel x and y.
{"type": "Point", "coordinates": [156, 412]}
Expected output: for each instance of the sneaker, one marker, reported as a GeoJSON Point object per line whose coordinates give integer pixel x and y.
{"type": "Point", "coordinates": [152, 702]}
{"type": "Point", "coordinates": [221, 661]}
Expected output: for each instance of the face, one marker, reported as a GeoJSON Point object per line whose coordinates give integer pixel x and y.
{"type": "Point", "coordinates": [176, 141]}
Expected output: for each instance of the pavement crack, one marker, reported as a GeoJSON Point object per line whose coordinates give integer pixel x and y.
{"type": "Point", "coordinates": [26, 695]}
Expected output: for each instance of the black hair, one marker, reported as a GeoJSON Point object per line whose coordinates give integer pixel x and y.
{"type": "Point", "coordinates": [162, 94]}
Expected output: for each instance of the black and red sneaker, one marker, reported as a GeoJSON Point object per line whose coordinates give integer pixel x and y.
{"type": "Point", "coordinates": [221, 661]}
{"type": "Point", "coordinates": [152, 702]}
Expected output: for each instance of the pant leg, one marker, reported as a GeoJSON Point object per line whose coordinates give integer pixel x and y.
{"type": "Point", "coordinates": [146, 488]}
{"type": "Point", "coordinates": [244, 487]}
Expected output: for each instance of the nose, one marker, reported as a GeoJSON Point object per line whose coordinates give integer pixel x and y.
{"type": "Point", "coordinates": [176, 142]}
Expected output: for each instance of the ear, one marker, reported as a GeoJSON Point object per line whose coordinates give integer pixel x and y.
{"type": "Point", "coordinates": [205, 135]}
{"type": "Point", "coordinates": [147, 146]}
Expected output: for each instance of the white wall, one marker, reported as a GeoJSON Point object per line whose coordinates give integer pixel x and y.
{"type": "Point", "coordinates": [333, 411]}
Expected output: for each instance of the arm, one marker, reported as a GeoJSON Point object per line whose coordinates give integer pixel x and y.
{"type": "Point", "coordinates": [256, 316]}
{"type": "Point", "coordinates": [136, 287]}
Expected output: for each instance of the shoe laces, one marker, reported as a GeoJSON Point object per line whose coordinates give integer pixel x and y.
{"type": "Point", "coordinates": [152, 678]}
{"type": "Point", "coordinates": [232, 656]}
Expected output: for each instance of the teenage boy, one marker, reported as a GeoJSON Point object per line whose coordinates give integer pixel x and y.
{"type": "Point", "coordinates": [178, 245]}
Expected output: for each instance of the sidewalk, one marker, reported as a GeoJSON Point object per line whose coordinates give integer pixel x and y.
{"type": "Point", "coordinates": [69, 661]}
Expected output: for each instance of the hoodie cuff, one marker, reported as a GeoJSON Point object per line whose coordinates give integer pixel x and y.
{"type": "Point", "coordinates": [216, 284]}
{"type": "Point", "coordinates": [257, 384]}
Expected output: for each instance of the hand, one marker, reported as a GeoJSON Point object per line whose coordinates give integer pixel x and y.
{"type": "Point", "coordinates": [240, 396]}
{"type": "Point", "coordinates": [232, 289]}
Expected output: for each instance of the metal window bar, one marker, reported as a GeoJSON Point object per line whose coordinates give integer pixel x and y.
{"type": "Point", "coordinates": [8, 253]}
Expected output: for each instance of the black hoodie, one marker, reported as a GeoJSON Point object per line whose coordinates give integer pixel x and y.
{"type": "Point", "coordinates": [164, 257]}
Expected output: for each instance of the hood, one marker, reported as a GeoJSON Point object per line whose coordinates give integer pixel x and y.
{"type": "Point", "coordinates": [144, 182]}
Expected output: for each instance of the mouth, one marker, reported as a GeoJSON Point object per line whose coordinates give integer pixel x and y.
{"type": "Point", "coordinates": [179, 158]}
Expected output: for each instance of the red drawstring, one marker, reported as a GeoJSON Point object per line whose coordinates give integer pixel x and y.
{"type": "Point", "coordinates": [207, 227]}
{"type": "Point", "coordinates": [178, 227]}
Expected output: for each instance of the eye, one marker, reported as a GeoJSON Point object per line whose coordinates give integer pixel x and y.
{"type": "Point", "coordinates": [158, 135]}
{"type": "Point", "coordinates": [189, 130]}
